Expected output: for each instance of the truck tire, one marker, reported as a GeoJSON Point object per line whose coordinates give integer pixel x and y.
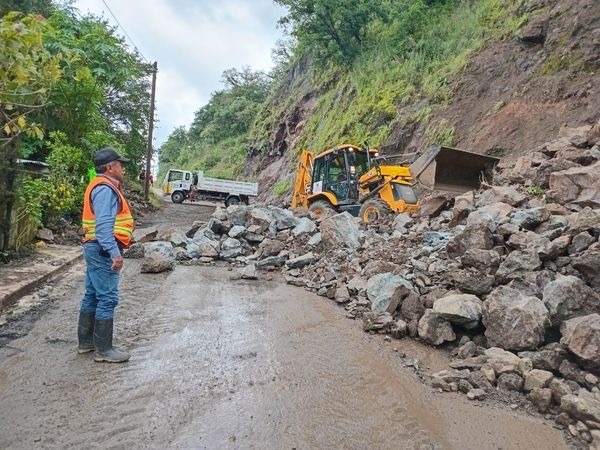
{"type": "Point", "coordinates": [322, 209]}
{"type": "Point", "coordinates": [232, 200]}
{"type": "Point", "coordinates": [374, 209]}
{"type": "Point", "coordinates": [177, 197]}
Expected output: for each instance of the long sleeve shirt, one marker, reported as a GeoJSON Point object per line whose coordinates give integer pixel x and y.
{"type": "Point", "coordinates": [105, 203]}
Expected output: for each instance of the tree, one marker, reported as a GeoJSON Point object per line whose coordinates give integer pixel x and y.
{"type": "Point", "coordinates": [27, 74]}
{"type": "Point", "coordinates": [43, 7]}
{"type": "Point", "coordinates": [332, 28]}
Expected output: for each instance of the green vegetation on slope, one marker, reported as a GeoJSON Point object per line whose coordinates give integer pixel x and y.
{"type": "Point", "coordinates": [373, 65]}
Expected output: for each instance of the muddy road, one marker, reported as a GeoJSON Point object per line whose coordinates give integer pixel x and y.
{"type": "Point", "coordinates": [220, 363]}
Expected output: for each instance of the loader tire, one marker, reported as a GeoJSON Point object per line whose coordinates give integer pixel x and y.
{"type": "Point", "coordinates": [373, 210]}
{"type": "Point", "coordinates": [322, 209]}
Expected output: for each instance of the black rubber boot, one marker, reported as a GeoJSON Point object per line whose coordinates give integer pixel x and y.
{"type": "Point", "coordinates": [103, 334]}
{"type": "Point", "coordinates": [85, 332]}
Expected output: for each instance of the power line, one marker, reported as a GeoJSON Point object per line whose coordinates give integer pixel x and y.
{"type": "Point", "coordinates": [124, 31]}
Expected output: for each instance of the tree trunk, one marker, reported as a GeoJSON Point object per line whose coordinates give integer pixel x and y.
{"type": "Point", "coordinates": [9, 153]}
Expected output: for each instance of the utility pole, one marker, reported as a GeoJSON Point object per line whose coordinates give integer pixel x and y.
{"type": "Point", "coordinates": [150, 130]}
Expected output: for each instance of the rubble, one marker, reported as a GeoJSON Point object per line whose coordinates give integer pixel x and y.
{"type": "Point", "coordinates": [506, 278]}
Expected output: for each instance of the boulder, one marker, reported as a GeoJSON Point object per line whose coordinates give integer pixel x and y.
{"type": "Point", "coordinates": [537, 379]}
{"type": "Point", "coordinates": [587, 219]}
{"type": "Point", "coordinates": [578, 185]}
{"type": "Point", "coordinates": [581, 242]}
{"type": "Point", "coordinates": [513, 320]}
{"type": "Point", "coordinates": [549, 357]}
{"type": "Point", "coordinates": [510, 382]}
{"type": "Point", "coordinates": [402, 221]}
{"type": "Point", "coordinates": [301, 261]}
{"type": "Point", "coordinates": [237, 214]}
{"type": "Point", "coordinates": [231, 248]}
{"type": "Point", "coordinates": [530, 218]}
{"type": "Point", "coordinates": [248, 272]}
{"type": "Point", "coordinates": [502, 361]}
{"type": "Point", "coordinates": [486, 261]}
{"type": "Point", "coordinates": [340, 231]}
{"type": "Point", "coordinates": [381, 289]}
{"type": "Point", "coordinates": [463, 205]}
{"type": "Point", "coordinates": [501, 194]}
{"type": "Point", "coordinates": [174, 235]}
{"type": "Point", "coordinates": [434, 329]}
{"type": "Point", "coordinates": [472, 282]}
{"type": "Point", "coordinates": [237, 231]}
{"type": "Point", "coordinates": [581, 336]}
{"type": "Point", "coordinates": [270, 247]}
{"type": "Point", "coordinates": [567, 297]}
{"type": "Point", "coordinates": [304, 226]}
{"type": "Point", "coordinates": [158, 257]}
{"type": "Point", "coordinates": [541, 398]}
{"type": "Point", "coordinates": [460, 309]}
{"type": "Point", "coordinates": [471, 237]}
{"type": "Point", "coordinates": [588, 265]}
{"type": "Point", "coordinates": [433, 206]}
{"type": "Point", "coordinates": [517, 264]}
{"type": "Point", "coordinates": [585, 406]}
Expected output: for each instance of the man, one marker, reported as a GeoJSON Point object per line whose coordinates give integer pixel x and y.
{"type": "Point", "coordinates": [108, 226]}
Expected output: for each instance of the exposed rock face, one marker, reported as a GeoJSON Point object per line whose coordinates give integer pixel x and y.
{"type": "Point", "coordinates": [514, 321]}
{"type": "Point", "coordinates": [581, 335]}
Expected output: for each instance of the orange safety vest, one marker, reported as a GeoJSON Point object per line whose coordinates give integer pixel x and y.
{"type": "Point", "coordinates": [124, 223]}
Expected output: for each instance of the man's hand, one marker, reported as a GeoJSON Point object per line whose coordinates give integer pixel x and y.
{"type": "Point", "coordinates": [117, 263]}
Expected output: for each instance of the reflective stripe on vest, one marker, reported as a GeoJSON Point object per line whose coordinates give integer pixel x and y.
{"type": "Point", "coordinates": [124, 223]}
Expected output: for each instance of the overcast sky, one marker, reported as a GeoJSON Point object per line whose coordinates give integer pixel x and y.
{"type": "Point", "coordinates": [193, 41]}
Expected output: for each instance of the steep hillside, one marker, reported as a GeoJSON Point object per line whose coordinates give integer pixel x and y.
{"type": "Point", "coordinates": [510, 95]}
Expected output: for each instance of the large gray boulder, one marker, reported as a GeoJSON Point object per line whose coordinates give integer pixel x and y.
{"type": "Point", "coordinates": [471, 237]}
{"type": "Point", "coordinates": [460, 309]}
{"type": "Point", "coordinates": [513, 320]}
{"type": "Point", "coordinates": [578, 185]}
{"type": "Point", "coordinates": [434, 329]}
{"type": "Point", "coordinates": [501, 194]}
{"type": "Point", "coordinates": [304, 226]}
{"type": "Point", "coordinates": [581, 336]}
{"type": "Point", "coordinates": [231, 248]}
{"type": "Point", "coordinates": [159, 256]}
{"type": "Point", "coordinates": [174, 235]}
{"type": "Point", "coordinates": [502, 361]}
{"type": "Point", "coordinates": [340, 231]}
{"type": "Point", "coordinates": [567, 297]}
{"type": "Point", "coordinates": [517, 264]}
{"type": "Point", "coordinates": [283, 219]}
{"type": "Point", "coordinates": [381, 289]}
{"type": "Point", "coordinates": [530, 218]}
{"type": "Point", "coordinates": [237, 214]}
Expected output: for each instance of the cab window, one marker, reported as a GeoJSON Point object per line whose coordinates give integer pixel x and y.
{"type": "Point", "coordinates": [175, 175]}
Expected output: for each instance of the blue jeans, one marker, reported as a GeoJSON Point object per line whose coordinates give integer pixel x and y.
{"type": "Point", "coordinates": [101, 283]}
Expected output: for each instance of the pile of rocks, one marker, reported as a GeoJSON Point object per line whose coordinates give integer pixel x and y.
{"type": "Point", "coordinates": [507, 277]}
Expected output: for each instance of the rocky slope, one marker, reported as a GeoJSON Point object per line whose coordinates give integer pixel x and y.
{"type": "Point", "coordinates": [512, 96]}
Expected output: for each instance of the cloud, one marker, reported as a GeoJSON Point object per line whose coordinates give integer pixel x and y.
{"type": "Point", "coordinates": [194, 41]}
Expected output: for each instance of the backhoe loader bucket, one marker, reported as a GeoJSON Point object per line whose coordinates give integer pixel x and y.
{"type": "Point", "coordinates": [450, 169]}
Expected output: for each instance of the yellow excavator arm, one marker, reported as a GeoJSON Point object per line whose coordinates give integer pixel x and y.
{"type": "Point", "coordinates": [303, 179]}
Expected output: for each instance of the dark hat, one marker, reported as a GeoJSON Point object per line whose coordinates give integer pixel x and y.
{"type": "Point", "coordinates": [107, 155]}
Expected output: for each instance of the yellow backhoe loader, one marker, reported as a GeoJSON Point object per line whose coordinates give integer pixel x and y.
{"type": "Point", "coordinates": [356, 179]}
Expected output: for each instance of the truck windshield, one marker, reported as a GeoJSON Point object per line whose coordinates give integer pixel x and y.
{"type": "Point", "coordinates": [175, 175]}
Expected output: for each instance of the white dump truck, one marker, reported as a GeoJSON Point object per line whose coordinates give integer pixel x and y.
{"type": "Point", "coordinates": [183, 185]}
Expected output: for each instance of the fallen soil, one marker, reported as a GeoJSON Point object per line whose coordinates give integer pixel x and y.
{"type": "Point", "coordinates": [223, 363]}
